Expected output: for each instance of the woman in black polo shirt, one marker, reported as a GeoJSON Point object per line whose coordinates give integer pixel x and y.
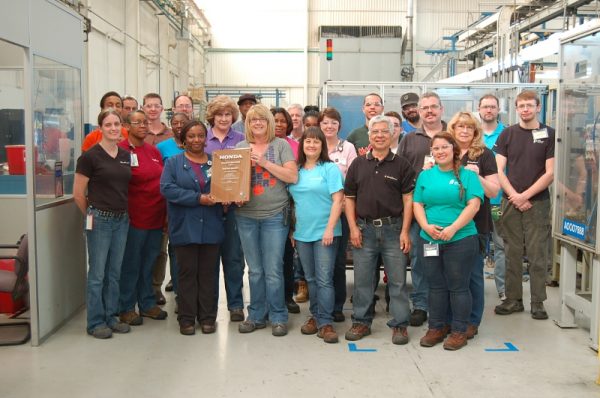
{"type": "Point", "coordinates": [104, 172]}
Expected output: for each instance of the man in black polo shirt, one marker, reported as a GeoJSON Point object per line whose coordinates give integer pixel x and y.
{"type": "Point", "coordinates": [378, 192]}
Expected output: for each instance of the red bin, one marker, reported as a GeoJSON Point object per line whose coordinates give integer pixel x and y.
{"type": "Point", "coordinates": [15, 155]}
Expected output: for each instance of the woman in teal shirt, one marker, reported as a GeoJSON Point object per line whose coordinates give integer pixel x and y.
{"type": "Point", "coordinates": [446, 198]}
{"type": "Point", "coordinates": [318, 197]}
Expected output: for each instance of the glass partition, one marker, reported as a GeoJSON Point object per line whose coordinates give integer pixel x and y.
{"type": "Point", "coordinates": [578, 143]}
{"type": "Point", "coordinates": [12, 124]}
{"type": "Point", "coordinates": [57, 121]}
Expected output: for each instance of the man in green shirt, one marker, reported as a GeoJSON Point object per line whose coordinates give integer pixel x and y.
{"type": "Point", "coordinates": [359, 137]}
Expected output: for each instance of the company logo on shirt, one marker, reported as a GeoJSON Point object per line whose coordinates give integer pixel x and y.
{"type": "Point", "coordinates": [453, 182]}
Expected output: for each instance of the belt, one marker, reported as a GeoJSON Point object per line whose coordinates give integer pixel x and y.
{"type": "Point", "coordinates": [109, 213]}
{"type": "Point", "coordinates": [379, 222]}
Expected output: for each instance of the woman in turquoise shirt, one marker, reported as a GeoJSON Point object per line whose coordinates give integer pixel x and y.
{"type": "Point", "coordinates": [446, 198]}
{"type": "Point", "coordinates": [318, 197]}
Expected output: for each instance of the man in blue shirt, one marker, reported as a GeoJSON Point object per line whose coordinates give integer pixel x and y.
{"type": "Point", "coordinates": [489, 108]}
{"type": "Point", "coordinates": [410, 112]}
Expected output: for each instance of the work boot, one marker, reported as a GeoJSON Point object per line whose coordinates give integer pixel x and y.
{"type": "Point", "coordinates": [418, 317]}
{"type": "Point", "coordinates": [302, 295]}
{"type": "Point", "coordinates": [538, 311]}
{"type": "Point", "coordinates": [310, 326]}
{"type": "Point", "coordinates": [400, 335]}
{"type": "Point", "coordinates": [433, 337]}
{"type": "Point", "coordinates": [358, 331]}
{"type": "Point", "coordinates": [456, 341]}
{"type": "Point", "coordinates": [328, 334]}
{"type": "Point", "coordinates": [509, 306]}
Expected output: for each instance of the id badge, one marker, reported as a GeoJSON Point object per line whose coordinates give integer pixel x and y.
{"type": "Point", "coordinates": [134, 160]}
{"type": "Point", "coordinates": [431, 250]}
{"type": "Point", "coordinates": [89, 221]}
{"type": "Point", "coordinates": [540, 134]}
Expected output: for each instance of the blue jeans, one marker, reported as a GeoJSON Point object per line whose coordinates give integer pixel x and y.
{"type": "Point", "coordinates": [318, 263]}
{"type": "Point", "coordinates": [232, 257]}
{"type": "Point", "coordinates": [263, 241]}
{"type": "Point", "coordinates": [376, 241]}
{"type": "Point", "coordinates": [106, 245]}
{"type": "Point", "coordinates": [448, 275]}
{"type": "Point", "coordinates": [499, 259]}
{"type": "Point", "coordinates": [476, 284]}
{"type": "Point", "coordinates": [339, 271]}
{"type": "Point", "coordinates": [420, 285]}
{"type": "Point", "coordinates": [141, 250]}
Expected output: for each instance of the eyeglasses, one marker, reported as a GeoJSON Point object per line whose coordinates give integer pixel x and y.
{"type": "Point", "coordinates": [440, 148]}
{"type": "Point", "coordinates": [258, 119]}
{"type": "Point", "coordinates": [433, 107]}
{"type": "Point", "coordinates": [489, 107]}
{"type": "Point", "coordinates": [143, 123]}
{"type": "Point", "coordinates": [368, 104]}
{"type": "Point", "coordinates": [153, 106]}
{"type": "Point", "coordinates": [526, 106]}
{"type": "Point", "coordinates": [385, 131]}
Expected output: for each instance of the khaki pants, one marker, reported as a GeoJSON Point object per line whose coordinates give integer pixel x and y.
{"type": "Point", "coordinates": [528, 232]}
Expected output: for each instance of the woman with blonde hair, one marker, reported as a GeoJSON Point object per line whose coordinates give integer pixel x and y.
{"type": "Point", "coordinates": [263, 221]}
{"type": "Point", "coordinates": [475, 156]}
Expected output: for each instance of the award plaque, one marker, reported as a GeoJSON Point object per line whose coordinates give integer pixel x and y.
{"type": "Point", "coordinates": [230, 179]}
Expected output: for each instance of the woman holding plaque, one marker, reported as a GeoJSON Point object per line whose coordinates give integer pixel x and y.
{"type": "Point", "coordinates": [263, 221]}
{"type": "Point", "coordinates": [195, 229]}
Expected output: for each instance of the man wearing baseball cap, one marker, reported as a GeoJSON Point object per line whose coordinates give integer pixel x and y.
{"type": "Point", "coordinates": [410, 112]}
{"type": "Point", "coordinates": [245, 102]}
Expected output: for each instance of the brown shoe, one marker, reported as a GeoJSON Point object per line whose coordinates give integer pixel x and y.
{"type": "Point", "coordinates": [433, 337]}
{"type": "Point", "coordinates": [472, 330]}
{"type": "Point", "coordinates": [155, 313]}
{"type": "Point", "coordinates": [208, 328]}
{"type": "Point", "coordinates": [357, 332]}
{"type": "Point", "coordinates": [456, 341]}
{"type": "Point", "coordinates": [400, 335]}
{"type": "Point", "coordinates": [187, 329]}
{"type": "Point", "coordinates": [328, 334]}
{"type": "Point", "coordinates": [302, 295]}
{"type": "Point", "coordinates": [309, 327]}
{"type": "Point", "coordinates": [131, 318]}
{"type": "Point", "coordinates": [236, 315]}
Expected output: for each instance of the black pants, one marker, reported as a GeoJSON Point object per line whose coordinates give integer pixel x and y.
{"type": "Point", "coordinates": [288, 270]}
{"type": "Point", "coordinates": [196, 282]}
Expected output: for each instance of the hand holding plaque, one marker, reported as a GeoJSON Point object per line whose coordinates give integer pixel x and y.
{"type": "Point", "coordinates": [230, 180]}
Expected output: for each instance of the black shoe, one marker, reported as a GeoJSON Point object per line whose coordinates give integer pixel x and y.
{"type": "Point", "coordinates": [160, 298]}
{"type": "Point", "coordinates": [418, 317]}
{"type": "Point", "coordinates": [538, 311]}
{"type": "Point", "coordinates": [292, 307]}
{"type": "Point", "coordinates": [338, 316]}
{"type": "Point", "coordinates": [509, 306]}
{"type": "Point", "coordinates": [169, 287]}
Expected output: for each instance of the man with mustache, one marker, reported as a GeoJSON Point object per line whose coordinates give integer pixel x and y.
{"type": "Point", "coordinates": [410, 112]}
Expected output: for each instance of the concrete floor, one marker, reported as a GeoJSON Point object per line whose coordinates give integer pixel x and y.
{"type": "Point", "coordinates": [154, 360]}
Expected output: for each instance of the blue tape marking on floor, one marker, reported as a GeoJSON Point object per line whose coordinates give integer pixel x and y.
{"type": "Point", "coordinates": [352, 347]}
{"type": "Point", "coordinates": [510, 347]}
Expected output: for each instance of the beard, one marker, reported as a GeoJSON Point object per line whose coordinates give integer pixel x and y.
{"type": "Point", "coordinates": [412, 117]}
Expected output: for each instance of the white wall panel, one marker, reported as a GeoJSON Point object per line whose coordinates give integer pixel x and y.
{"type": "Point", "coordinates": [255, 68]}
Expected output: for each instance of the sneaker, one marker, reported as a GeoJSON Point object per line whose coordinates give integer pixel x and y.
{"type": "Point", "coordinates": [154, 313]}
{"type": "Point", "coordinates": [131, 318]}
{"type": "Point", "coordinates": [120, 327]}
{"type": "Point", "coordinates": [538, 311]}
{"type": "Point", "coordinates": [472, 330]}
{"type": "Point", "coordinates": [169, 287]}
{"type": "Point", "coordinates": [309, 327]}
{"type": "Point", "coordinates": [279, 329]}
{"type": "Point", "coordinates": [400, 335]}
{"type": "Point", "coordinates": [302, 295]}
{"type": "Point", "coordinates": [208, 328]}
{"type": "Point", "coordinates": [292, 307]}
{"type": "Point", "coordinates": [249, 326]}
{"type": "Point", "coordinates": [187, 329]}
{"type": "Point", "coordinates": [509, 306]}
{"type": "Point", "coordinates": [160, 298]}
{"type": "Point", "coordinates": [328, 334]}
{"type": "Point", "coordinates": [418, 317]}
{"type": "Point", "coordinates": [338, 316]}
{"type": "Point", "coordinates": [101, 332]}
{"type": "Point", "coordinates": [357, 332]}
{"type": "Point", "coordinates": [236, 315]}
{"type": "Point", "coordinates": [434, 336]}
{"type": "Point", "coordinates": [456, 341]}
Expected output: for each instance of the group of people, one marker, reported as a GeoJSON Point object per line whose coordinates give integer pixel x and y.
{"type": "Point", "coordinates": [417, 190]}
